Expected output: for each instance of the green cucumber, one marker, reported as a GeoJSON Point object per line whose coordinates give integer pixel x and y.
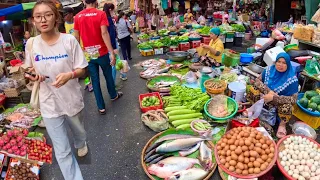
{"type": "Point", "coordinates": [181, 112]}
{"type": "Point", "coordinates": [184, 116]}
{"type": "Point", "coordinates": [184, 126]}
{"type": "Point", "coordinates": [168, 109]}
{"type": "Point", "coordinates": [182, 121]}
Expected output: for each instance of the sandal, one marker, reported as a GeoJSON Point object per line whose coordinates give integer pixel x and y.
{"type": "Point", "coordinates": [120, 94]}
{"type": "Point", "coordinates": [90, 88]}
{"type": "Point", "coordinates": [281, 131]}
{"type": "Point", "coordinates": [102, 111]}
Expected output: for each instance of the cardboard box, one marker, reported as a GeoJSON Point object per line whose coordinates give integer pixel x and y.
{"type": "Point", "coordinates": [18, 71]}
{"type": "Point", "coordinates": [147, 52]}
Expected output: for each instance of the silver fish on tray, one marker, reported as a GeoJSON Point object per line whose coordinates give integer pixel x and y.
{"type": "Point", "coordinates": [164, 84]}
{"type": "Point", "coordinates": [178, 144]}
{"type": "Point", "coordinates": [205, 156]}
{"type": "Point", "coordinates": [189, 151]}
{"type": "Point", "coordinates": [167, 167]}
{"type": "Point", "coordinates": [189, 174]}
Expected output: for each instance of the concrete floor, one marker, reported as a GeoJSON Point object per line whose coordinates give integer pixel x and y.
{"type": "Point", "coordinates": [116, 139]}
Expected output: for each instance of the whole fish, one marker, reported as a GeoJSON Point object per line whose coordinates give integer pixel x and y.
{"type": "Point", "coordinates": [205, 156]}
{"type": "Point", "coordinates": [173, 136]}
{"type": "Point", "coordinates": [190, 174]}
{"type": "Point", "coordinates": [156, 160]}
{"type": "Point", "coordinates": [151, 158]}
{"type": "Point", "coordinates": [178, 144]}
{"type": "Point", "coordinates": [166, 167]}
{"type": "Point", "coordinates": [189, 151]}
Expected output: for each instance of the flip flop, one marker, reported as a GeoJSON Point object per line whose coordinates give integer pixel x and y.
{"type": "Point", "coordinates": [120, 94]}
{"type": "Point", "coordinates": [102, 112]}
{"type": "Point", "coordinates": [281, 131]}
{"type": "Point", "coordinates": [90, 89]}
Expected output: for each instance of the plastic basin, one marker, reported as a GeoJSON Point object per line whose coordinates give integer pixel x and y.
{"type": "Point", "coordinates": [305, 109]}
{"type": "Point", "coordinates": [230, 100]}
{"type": "Point", "coordinates": [246, 58]}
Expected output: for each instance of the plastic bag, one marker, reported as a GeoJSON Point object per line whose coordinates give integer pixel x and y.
{"type": "Point", "coordinates": [218, 107]}
{"type": "Point", "coordinates": [268, 116]}
{"type": "Point", "coordinates": [126, 66]}
{"type": "Point", "coordinates": [255, 110]}
{"type": "Point", "coordinates": [312, 67]}
{"type": "Point", "coordinates": [191, 77]}
{"type": "Point", "coordinates": [155, 120]}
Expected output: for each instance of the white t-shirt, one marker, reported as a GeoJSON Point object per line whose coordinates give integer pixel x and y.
{"type": "Point", "coordinates": [63, 56]}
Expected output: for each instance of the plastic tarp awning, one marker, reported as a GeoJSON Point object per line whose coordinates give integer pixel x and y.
{"type": "Point", "coordinates": [11, 10]}
{"type": "Point", "coordinates": [311, 8]}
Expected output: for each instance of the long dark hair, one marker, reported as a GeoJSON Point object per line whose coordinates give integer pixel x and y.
{"type": "Point", "coordinates": [121, 14]}
{"type": "Point", "coordinates": [107, 7]}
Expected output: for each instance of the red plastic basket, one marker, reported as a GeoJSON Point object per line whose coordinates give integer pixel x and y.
{"type": "Point", "coordinates": [145, 109]}
{"type": "Point", "coordinates": [279, 144]}
{"type": "Point", "coordinates": [235, 124]}
{"type": "Point", "coordinates": [251, 176]}
{"type": "Point", "coordinates": [2, 99]}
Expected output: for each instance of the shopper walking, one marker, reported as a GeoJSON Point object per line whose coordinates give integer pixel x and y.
{"type": "Point", "coordinates": [57, 61]}
{"type": "Point", "coordinates": [91, 25]}
{"type": "Point", "coordinates": [155, 20]}
{"type": "Point", "coordinates": [69, 27]}
{"type": "Point", "coordinates": [124, 30]}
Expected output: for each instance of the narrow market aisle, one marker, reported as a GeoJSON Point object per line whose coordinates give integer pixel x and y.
{"type": "Point", "coordinates": [116, 139]}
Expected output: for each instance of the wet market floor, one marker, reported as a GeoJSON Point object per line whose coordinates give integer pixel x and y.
{"type": "Point", "coordinates": [116, 139]}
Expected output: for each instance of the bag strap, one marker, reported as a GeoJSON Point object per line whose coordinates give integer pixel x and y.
{"type": "Point", "coordinates": [29, 49]}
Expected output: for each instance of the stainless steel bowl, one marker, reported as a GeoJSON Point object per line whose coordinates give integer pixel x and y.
{"type": "Point", "coordinates": [302, 128]}
{"type": "Point", "coordinates": [178, 56]}
{"type": "Point", "coordinates": [256, 68]}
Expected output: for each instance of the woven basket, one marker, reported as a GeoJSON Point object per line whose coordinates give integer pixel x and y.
{"type": "Point", "coordinates": [144, 166]}
{"type": "Point", "coordinates": [13, 92]}
{"type": "Point", "coordinates": [215, 91]}
{"type": "Point", "coordinates": [221, 172]}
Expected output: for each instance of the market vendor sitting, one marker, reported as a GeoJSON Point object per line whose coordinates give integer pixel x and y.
{"type": "Point", "coordinates": [215, 49]}
{"type": "Point", "coordinates": [279, 85]}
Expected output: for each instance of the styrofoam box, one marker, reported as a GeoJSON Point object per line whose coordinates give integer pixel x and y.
{"type": "Point", "coordinates": [229, 39]}
{"type": "Point", "coordinates": [270, 56]}
{"type": "Point", "coordinates": [158, 51]}
{"type": "Point", "coordinates": [263, 41]}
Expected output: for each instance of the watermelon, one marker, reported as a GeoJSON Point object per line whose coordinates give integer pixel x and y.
{"type": "Point", "coordinates": [313, 106]}
{"type": "Point", "coordinates": [304, 102]}
{"type": "Point", "coordinates": [310, 94]}
{"type": "Point", "coordinates": [315, 99]}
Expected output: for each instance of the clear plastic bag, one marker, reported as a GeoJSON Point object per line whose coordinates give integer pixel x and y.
{"type": "Point", "coordinates": [218, 107]}
{"type": "Point", "coordinates": [255, 110]}
{"type": "Point", "coordinates": [191, 77]}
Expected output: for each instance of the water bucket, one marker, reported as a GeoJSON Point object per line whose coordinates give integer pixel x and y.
{"type": "Point", "coordinates": [247, 36]}
{"type": "Point", "coordinates": [237, 90]}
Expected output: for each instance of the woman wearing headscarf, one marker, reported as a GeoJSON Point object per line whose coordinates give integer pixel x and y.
{"type": "Point", "coordinates": [279, 85]}
{"type": "Point", "coordinates": [214, 49]}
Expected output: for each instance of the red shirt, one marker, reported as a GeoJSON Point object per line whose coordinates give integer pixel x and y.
{"type": "Point", "coordinates": [88, 22]}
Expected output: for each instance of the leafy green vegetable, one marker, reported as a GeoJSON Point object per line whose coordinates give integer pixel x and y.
{"type": "Point", "coordinates": [144, 36]}
{"type": "Point", "coordinates": [19, 48]}
{"type": "Point", "coordinates": [157, 43]}
{"type": "Point", "coordinates": [174, 41]}
{"type": "Point", "coordinates": [163, 32]}
{"type": "Point", "coordinates": [205, 30]}
{"type": "Point", "coordinates": [238, 27]}
{"type": "Point", "coordinates": [192, 98]}
{"type": "Point", "coordinates": [183, 38]}
{"type": "Point", "coordinates": [145, 45]}
{"type": "Point", "coordinates": [166, 41]}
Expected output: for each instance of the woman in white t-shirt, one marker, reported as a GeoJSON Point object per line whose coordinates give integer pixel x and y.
{"type": "Point", "coordinates": [57, 61]}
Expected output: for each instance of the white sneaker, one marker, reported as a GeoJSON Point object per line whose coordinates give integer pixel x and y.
{"type": "Point", "coordinates": [83, 151]}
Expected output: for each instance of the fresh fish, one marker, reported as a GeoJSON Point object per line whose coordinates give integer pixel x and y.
{"type": "Point", "coordinates": [154, 145]}
{"type": "Point", "coordinates": [205, 156]}
{"type": "Point", "coordinates": [167, 167]}
{"type": "Point", "coordinates": [164, 83]}
{"type": "Point", "coordinates": [190, 174]}
{"type": "Point", "coordinates": [151, 158]}
{"type": "Point", "coordinates": [173, 136]}
{"type": "Point", "coordinates": [159, 158]}
{"type": "Point", "coordinates": [189, 151]}
{"type": "Point", "coordinates": [150, 153]}
{"type": "Point", "coordinates": [178, 144]}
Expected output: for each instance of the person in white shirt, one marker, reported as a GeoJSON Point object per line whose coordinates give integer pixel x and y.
{"type": "Point", "coordinates": [56, 60]}
{"type": "Point", "coordinates": [201, 19]}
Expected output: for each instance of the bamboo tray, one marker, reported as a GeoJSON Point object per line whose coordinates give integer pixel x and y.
{"type": "Point", "coordinates": [144, 166]}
